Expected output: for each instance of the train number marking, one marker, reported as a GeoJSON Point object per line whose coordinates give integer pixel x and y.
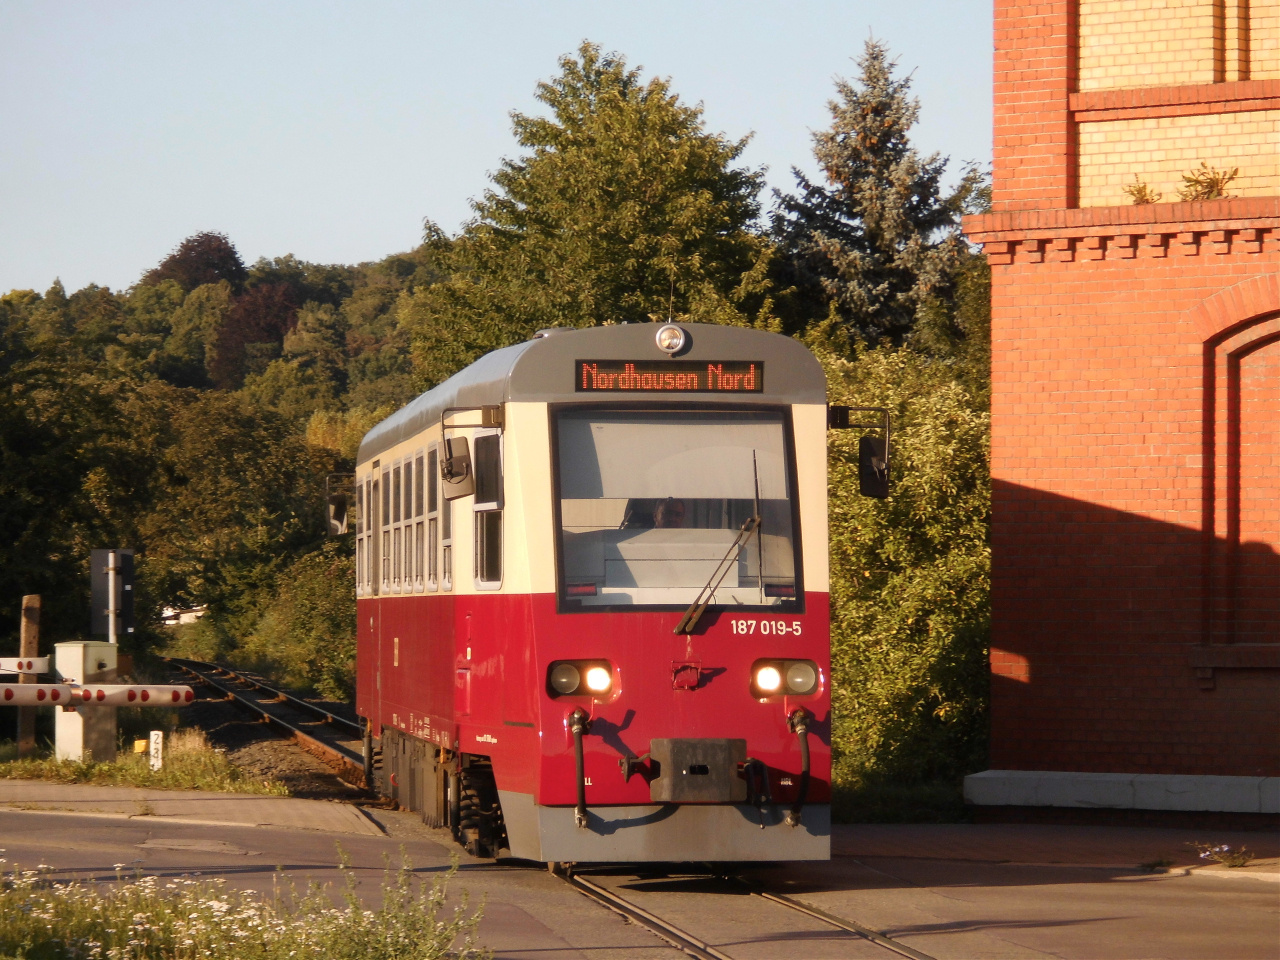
{"type": "Point", "coordinates": [768, 628]}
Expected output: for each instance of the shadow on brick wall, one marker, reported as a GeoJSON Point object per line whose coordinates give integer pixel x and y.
{"type": "Point", "coordinates": [1099, 653]}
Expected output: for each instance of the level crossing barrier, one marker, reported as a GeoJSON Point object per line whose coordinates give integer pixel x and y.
{"type": "Point", "coordinates": [86, 695]}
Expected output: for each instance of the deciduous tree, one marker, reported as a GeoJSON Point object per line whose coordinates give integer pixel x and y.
{"type": "Point", "coordinates": [623, 208]}
{"type": "Point", "coordinates": [202, 258]}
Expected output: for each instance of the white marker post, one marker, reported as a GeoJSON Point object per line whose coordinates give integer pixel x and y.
{"type": "Point", "coordinates": [157, 749]}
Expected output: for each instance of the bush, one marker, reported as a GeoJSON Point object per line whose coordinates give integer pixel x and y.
{"type": "Point", "coordinates": [305, 637]}
{"type": "Point", "coordinates": [910, 576]}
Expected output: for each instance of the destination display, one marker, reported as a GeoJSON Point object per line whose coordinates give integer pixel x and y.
{"type": "Point", "coordinates": [670, 376]}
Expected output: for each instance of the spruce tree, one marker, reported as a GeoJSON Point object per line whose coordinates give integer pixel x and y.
{"type": "Point", "coordinates": [878, 240]}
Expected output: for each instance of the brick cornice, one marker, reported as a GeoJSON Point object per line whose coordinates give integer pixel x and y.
{"type": "Point", "coordinates": [1169, 218]}
{"type": "Point", "coordinates": [1143, 100]}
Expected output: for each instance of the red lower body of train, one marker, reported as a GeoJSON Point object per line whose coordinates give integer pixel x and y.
{"type": "Point", "coordinates": [681, 760]}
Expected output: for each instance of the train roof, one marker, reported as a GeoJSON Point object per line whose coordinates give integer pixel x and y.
{"type": "Point", "coordinates": [543, 370]}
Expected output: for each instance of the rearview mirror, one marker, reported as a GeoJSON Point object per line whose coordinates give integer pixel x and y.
{"type": "Point", "coordinates": [873, 467]}
{"type": "Point", "coordinates": [455, 469]}
{"type": "Point", "coordinates": [340, 504]}
{"type": "Point", "coordinates": [873, 450]}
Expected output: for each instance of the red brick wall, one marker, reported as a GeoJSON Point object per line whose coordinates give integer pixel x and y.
{"type": "Point", "coordinates": [1135, 449]}
{"type": "Point", "coordinates": [1098, 429]}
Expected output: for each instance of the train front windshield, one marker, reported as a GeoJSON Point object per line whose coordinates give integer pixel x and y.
{"type": "Point", "coordinates": [655, 505]}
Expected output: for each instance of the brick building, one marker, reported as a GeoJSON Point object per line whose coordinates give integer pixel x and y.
{"type": "Point", "coordinates": [1135, 654]}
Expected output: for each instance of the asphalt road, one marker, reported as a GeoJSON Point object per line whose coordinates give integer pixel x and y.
{"type": "Point", "coordinates": [948, 892]}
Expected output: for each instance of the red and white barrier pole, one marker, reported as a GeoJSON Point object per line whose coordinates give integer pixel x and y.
{"type": "Point", "coordinates": [36, 695]}
{"type": "Point", "coordinates": [25, 666]}
{"type": "Point", "coordinates": [132, 695]}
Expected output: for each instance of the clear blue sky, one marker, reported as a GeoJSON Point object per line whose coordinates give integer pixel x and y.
{"type": "Point", "coordinates": [329, 130]}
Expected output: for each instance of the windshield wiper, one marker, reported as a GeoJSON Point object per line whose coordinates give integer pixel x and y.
{"type": "Point", "coordinates": [700, 602]}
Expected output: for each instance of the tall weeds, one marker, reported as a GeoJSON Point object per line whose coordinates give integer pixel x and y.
{"type": "Point", "coordinates": [153, 919]}
{"type": "Point", "coordinates": [190, 763]}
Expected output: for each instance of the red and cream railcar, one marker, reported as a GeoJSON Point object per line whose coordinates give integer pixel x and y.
{"type": "Point", "coordinates": [592, 598]}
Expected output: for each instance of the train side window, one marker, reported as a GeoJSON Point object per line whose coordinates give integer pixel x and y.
{"type": "Point", "coordinates": [417, 489]}
{"type": "Point", "coordinates": [368, 537]}
{"type": "Point", "coordinates": [385, 567]}
{"type": "Point", "coordinates": [408, 489]}
{"type": "Point", "coordinates": [397, 534]}
{"type": "Point", "coordinates": [488, 510]}
{"type": "Point", "coordinates": [433, 520]}
{"type": "Point", "coordinates": [406, 576]}
{"type": "Point", "coordinates": [446, 545]}
{"type": "Point", "coordinates": [360, 544]}
{"type": "Point", "coordinates": [419, 526]}
{"type": "Point", "coordinates": [395, 495]}
{"type": "Point", "coordinates": [488, 467]}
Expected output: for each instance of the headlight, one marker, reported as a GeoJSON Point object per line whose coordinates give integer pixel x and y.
{"type": "Point", "coordinates": [582, 678]}
{"type": "Point", "coordinates": [797, 678]}
{"type": "Point", "coordinates": [565, 678]}
{"type": "Point", "coordinates": [768, 679]}
{"type": "Point", "coordinates": [802, 677]}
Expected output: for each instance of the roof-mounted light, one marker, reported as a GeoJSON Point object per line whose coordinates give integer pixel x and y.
{"type": "Point", "coordinates": [671, 338]}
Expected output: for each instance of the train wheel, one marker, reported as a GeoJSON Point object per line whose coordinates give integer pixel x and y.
{"type": "Point", "coordinates": [479, 827]}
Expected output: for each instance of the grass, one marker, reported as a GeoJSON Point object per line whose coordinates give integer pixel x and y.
{"type": "Point", "coordinates": [190, 763]}
{"type": "Point", "coordinates": [874, 800]}
{"type": "Point", "coordinates": [152, 919]}
{"type": "Point", "coordinates": [1222, 853]}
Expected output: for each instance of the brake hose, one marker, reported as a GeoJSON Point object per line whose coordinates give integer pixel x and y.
{"type": "Point", "coordinates": [799, 722]}
{"type": "Point", "coordinates": [579, 724]}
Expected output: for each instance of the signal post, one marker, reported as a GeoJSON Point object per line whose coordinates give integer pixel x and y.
{"type": "Point", "coordinates": [28, 649]}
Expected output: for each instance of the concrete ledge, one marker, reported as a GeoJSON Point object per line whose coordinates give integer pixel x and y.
{"type": "Point", "coordinates": [1121, 791]}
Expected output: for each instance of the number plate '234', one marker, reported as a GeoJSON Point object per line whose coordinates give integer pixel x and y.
{"type": "Point", "coordinates": [774, 628]}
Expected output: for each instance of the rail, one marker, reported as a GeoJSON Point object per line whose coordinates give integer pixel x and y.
{"type": "Point", "coordinates": [678, 938]}
{"type": "Point", "coordinates": [848, 925]}
{"type": "Point", "coordinates": [213, 675]}
{"type": "Point", "coordinates": [694, 946]}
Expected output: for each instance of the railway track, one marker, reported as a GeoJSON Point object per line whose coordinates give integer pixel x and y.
{"type": "Point", "coordinates": [334, 739]}
{"type": "Point", "coordinates": [741, 918]}
{"type": "Point", "coordinates": [747, 929]}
